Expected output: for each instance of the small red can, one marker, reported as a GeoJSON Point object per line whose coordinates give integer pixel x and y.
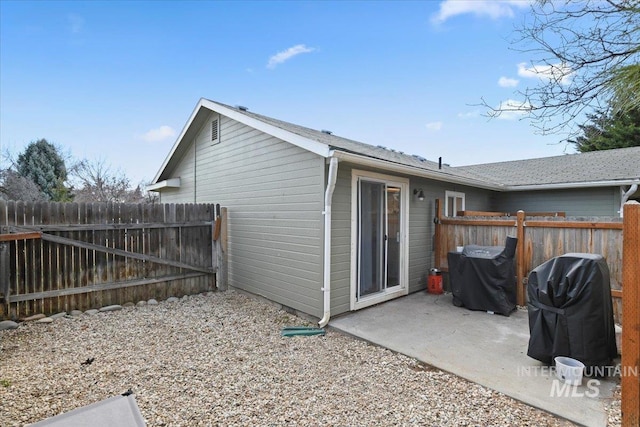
{"type": "Point", "coordinates": [434, 281]}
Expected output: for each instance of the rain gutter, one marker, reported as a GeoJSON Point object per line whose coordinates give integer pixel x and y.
{"type": "Point", "coordinates": [439, 175]}
{"type": "Point", "coordinates": [572, 185]}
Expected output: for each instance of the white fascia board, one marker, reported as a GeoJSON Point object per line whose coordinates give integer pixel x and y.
{"type": "Point", "coordinates": [167, 183]}
{"type": "Point", "coordinates": [570, 185]}
{"type": "Point", "coordinates": [178, 140]}
{"type": "Point", "coordinates": [414, 171]}
{"type": "Point", "coordinates": [290, 137]}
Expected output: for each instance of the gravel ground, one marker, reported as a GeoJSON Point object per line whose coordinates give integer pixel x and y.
{"type": "Point", "coordinates": [219, 359]}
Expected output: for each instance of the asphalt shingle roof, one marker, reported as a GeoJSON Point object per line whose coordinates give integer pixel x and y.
{"type": "Point", "coordinates": [597, 166]}
{"type": "Point", "coordinates": [344, 144]}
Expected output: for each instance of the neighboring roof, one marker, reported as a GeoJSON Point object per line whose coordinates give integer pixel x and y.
{"type": "Point", "coordinates": [611, 167]}
{"type": "Point", "coordinates": [607, 166]}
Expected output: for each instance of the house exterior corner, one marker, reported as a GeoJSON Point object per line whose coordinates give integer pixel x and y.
{"type": "Point", "coordinates": [273, 192]}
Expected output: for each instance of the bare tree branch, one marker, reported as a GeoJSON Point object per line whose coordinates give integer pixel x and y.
{"type": "Point", "coordinates": [98, 183]}
{"type": "Point", "coordinates": [579, 51]}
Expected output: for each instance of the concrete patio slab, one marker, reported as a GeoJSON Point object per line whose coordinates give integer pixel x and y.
{"type": "Point", "coordinates": [487, 349]}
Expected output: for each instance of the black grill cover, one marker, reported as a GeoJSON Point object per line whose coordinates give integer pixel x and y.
{"type": "Point", "coordinates": [483, 277]}
{"type": "Point", "coordinates": [570, 310]}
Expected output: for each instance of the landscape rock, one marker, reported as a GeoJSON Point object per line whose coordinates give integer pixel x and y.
{"type": "Point", "coordinates": [172, 299]}
{"type": "Point", "coordinates": [76, 313]}
{"type": "Point", "coordinates": [128, 304]}
{"type": "Point", "coordinates": [141, 303]}
{"type": "Point", "coordinates": [34, 317]}
{"type": "Point", "coordinates": [8, 324]}
{"type": "Point", "coordinates": [58, 315]}
{"type": "Point", "coordinates": [91, 312]}
{"type": "Point", "coordinates": [114, 307]}
{"type": "Point", "coordinates": [203, 362]}
{"type": "Point", "coordinates": [152, 302]}
{"type": "Point", "coordinates": [45, 320]}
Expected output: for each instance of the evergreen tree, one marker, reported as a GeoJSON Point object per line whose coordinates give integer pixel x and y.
{"type": "Point", "coordinates": [607, 130]}
{"type": "Point", "coordinates": [42, 164]}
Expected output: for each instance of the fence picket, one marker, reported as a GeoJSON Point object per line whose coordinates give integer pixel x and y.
{"type": "Point", "coordinates": [543, 239]}
{"type": "Point", "coordinates": [72, 272]}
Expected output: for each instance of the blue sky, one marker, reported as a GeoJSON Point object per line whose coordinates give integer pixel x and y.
{"type": "Point", "coordinates": [116, 81]}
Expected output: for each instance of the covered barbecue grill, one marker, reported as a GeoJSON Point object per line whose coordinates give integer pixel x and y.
{"type": "Point", "coordinates": [483, 277]}
{"type": "Point", "coordinates": [570, 310]}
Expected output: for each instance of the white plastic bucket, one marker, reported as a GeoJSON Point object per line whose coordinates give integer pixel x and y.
{"type": "Point", "coordinates": [569, 370]}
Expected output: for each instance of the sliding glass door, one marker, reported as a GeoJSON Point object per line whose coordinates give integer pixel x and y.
{"type": "Point", "coordinates": [380, 239]}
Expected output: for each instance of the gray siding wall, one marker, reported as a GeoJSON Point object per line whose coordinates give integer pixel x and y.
{"type": "Point", "coordinates": [274, 192]}
{"type": "Point", "coordinates": [341, 241]}
{"type": "Point", "coordinates": [604, 201]}
{"type": "Point", "coordinates": [422, 227]}
{"type": "Point", "coordinates": [421, 230]}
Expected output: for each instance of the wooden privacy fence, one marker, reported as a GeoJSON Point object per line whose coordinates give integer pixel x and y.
{"type": "Point", "coordinates": [631, 321]}
{"type": "Point", "coordinates": [62, 256]}
{"type": "Point", "coordinates": [539, 239]}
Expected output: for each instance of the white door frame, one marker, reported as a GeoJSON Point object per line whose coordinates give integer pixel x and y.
{"type": "Point", "coordinates": [403, 288]}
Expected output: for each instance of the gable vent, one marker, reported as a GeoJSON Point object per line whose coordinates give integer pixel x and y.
{"type": "Point", "coordinates": [214, 130]}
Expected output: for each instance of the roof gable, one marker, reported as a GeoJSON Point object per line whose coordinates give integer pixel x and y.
{"type": "Point", "coordinates": [204, 108]}
{"type": "Point", "coordinates": [611, 167]}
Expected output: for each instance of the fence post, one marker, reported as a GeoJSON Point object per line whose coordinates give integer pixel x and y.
{"type": "Point", "coordinates": [520, 258]}
{"type": "Point", "coordinates": [222, 274]}
{"type": "Point", "coordinates": [631, 315]}
{"type": "Point", "coordinates": [5, 274]}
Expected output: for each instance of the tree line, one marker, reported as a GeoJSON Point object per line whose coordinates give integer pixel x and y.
{"type": "Point", "coordinates": [41, 173]}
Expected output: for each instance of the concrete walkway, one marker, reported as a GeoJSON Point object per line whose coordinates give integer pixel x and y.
{"type": "Point", "coordinates": [487, 349]}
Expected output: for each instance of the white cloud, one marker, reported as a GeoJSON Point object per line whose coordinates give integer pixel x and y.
{"type": "Point", "coordinates": [434, 126]}
{"type": "Point", "coordinates": [482, 8]}
{"type": "Point", "coordinates": [76, 23]}
{"type": "Point", "coordinates": [507, 82]}
{"type": "Point", "coordinates": [158, 134]}
{"type": "Point", "coordinates": [559, 72]}
{"type": "Point", "coordinates": [512, 109]}
{"type": "Point", "coordinates": [287, 54]}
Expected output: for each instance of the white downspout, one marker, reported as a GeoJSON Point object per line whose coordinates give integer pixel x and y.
{"type": "Point", "coordinates": [328, 195]}
{"type": "Point", "coordinates": [625, 196]}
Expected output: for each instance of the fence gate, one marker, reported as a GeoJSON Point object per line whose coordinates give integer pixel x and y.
{"type": "Point", "coordinates": [62, 256]}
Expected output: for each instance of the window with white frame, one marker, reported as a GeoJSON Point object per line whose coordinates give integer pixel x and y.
{"type": "Point", "coordinates": [454, 203]}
